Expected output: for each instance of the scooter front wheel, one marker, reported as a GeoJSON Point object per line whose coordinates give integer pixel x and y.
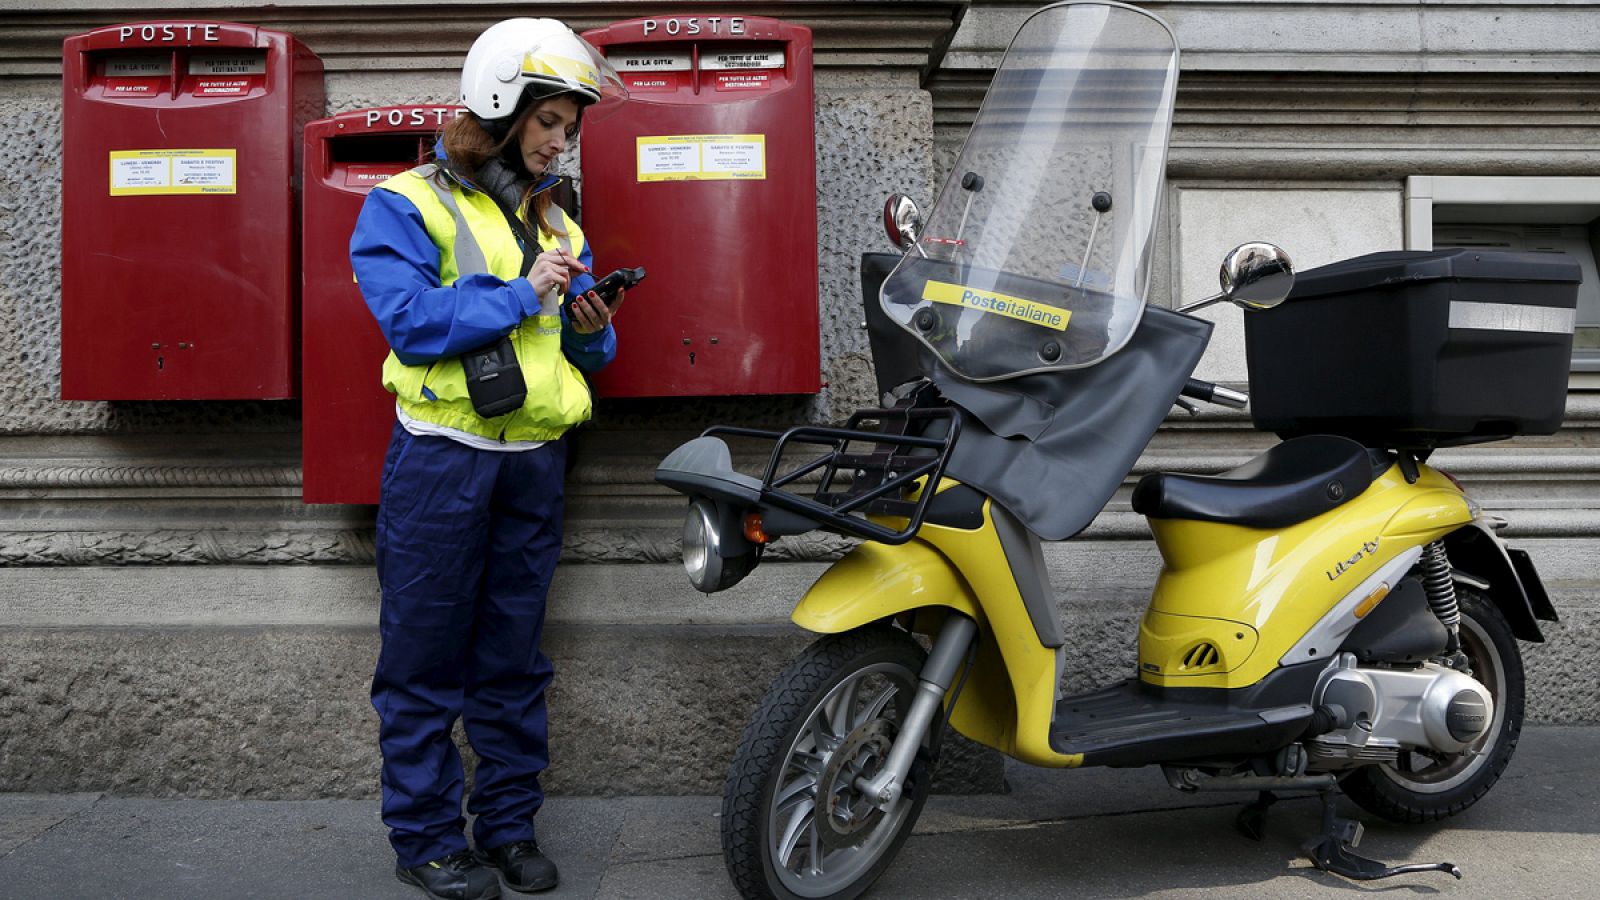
{"type": "Point", "coordinates": [793, 823]}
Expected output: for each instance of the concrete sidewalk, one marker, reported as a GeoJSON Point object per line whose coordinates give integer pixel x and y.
{"type": "Point", "coordinates": [1091, 834]}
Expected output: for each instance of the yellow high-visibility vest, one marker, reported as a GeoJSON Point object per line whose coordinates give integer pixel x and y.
{"type": "Point", "coordinates": [472, 236]}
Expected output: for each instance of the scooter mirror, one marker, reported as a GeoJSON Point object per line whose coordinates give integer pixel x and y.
{"type": "Point", "coordinates": [1257, 275]}
{"type": "Point", "coordinates": [902, 220]}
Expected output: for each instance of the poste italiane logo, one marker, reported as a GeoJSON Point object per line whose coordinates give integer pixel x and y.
{"type": "Point", "coordinates": [999, 304]}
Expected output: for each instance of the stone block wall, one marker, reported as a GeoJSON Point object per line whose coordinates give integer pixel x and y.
{"type": "Point", "coordinates": [178, 623]}
{"type": "Point", "coordinates": [183, 625]}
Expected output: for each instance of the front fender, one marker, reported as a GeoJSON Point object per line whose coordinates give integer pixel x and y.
{"type": "Point", "coordinates": [1007, 702]}
{"type": "Point", "coordinates": [876, 581]}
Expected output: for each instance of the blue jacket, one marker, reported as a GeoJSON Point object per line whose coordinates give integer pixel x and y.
{"type": "Point", "coordinates": [398, 267]}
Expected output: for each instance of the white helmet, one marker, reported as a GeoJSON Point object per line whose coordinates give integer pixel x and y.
{"type": "Point", "coordinates": [532, 59]}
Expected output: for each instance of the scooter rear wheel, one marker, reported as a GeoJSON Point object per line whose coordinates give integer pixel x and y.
{"type": "Point", "coordinates": [793, 823]}
{"type": "Point", "coordinates": [1427, 789]}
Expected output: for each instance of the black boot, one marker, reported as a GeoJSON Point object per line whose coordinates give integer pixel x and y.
{"type": "Point", "coordinates": [458, 876]}
{"type": "Point", "coordinates": [524, 868]}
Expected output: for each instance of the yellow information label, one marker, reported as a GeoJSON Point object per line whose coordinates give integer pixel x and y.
{"type": "Point", "coordinates": [145, 172]}
{"type": "Point", "coordinates": [703, 157]}
{"type": "Point", "coordinates": [998, 304]}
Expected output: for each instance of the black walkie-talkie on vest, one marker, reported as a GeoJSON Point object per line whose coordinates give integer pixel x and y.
{"type": "Point", "coordinates": [494, 378]}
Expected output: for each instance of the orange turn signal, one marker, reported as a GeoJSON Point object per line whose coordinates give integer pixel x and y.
{"type": "Point", "coordinates": [1373, 599]}
{"type": "Point", "coordinates": [752, 528]}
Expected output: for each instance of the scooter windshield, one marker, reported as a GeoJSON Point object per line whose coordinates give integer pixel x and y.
{"type": "Point", "coordinates": [1037, 254]}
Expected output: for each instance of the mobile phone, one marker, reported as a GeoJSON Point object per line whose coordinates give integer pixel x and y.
{"type": "Point", "coordinates": [608, 286]}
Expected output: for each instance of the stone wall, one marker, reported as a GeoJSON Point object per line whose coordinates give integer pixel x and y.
{"type": "Point", "coordinates": [178, 623]}
{"type": "Point", "coordinates": [184, 625]}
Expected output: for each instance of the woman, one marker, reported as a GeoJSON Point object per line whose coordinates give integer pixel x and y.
{"type": "Point", "coordinates": [456, 256]}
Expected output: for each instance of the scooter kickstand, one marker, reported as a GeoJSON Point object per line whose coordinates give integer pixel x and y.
{"type": "Point", "coordinates": [1252, 819]}
{"type": "Point", "coordinates": [1331, 851]}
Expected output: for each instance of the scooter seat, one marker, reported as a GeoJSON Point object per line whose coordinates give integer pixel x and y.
{"type": "Point", "coordinates": [1297, 480]}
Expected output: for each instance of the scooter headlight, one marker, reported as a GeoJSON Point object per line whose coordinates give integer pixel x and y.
{"type": "Point", "coordinates": [701, 547]}
{"type": "Point", "coordinates": [716, 557]}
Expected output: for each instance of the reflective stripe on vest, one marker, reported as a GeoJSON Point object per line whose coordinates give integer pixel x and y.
{"type": "Point", "coordinates": [482, 241]}
{"type": "Point", "coordinates": [469, 256]}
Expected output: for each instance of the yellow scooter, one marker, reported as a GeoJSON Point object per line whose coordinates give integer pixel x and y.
{"type": "Point", "coordinates": [1335, 614]}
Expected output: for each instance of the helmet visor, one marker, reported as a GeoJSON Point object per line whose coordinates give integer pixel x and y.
{"type": "Point", "coordinates": [578, 67]}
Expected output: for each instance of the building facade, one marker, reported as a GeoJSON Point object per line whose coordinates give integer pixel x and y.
{"type": "Point", "coordinates": [177, 622]}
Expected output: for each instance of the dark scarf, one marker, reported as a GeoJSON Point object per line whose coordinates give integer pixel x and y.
{"type": "Point", "coordinates": [502, 182]}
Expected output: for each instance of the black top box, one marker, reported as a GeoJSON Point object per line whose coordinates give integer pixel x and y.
{"type": "Point", "coordinates": [1418, 349]}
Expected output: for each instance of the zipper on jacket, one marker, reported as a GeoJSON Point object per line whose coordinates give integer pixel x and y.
{"type": "Point", "coordinates": [427, 394]}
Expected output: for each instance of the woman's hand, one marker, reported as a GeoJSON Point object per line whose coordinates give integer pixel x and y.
{"type": "Point", "coordinates": [553, 269]}
{"type": "Point", "coordinates": [590, 313]}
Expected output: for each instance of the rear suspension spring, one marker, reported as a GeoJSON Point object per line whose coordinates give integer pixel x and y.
{"type": "Point", "coordinates": [1440, 586]}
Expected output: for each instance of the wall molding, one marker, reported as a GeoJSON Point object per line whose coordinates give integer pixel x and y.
{"type": "Point", "coordinates": [395, 36]}
{"type": "Point", "coordinates": [76, 508]}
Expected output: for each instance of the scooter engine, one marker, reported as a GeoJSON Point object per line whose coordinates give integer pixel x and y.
{"type": "Point", "coordinates": [1380, 712]}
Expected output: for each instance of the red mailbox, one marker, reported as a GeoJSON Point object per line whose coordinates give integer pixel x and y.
{"type": "Point", "coordinates": [707, 178]}
{"type": "Point", "coordinates": [178, 219]}
{"type": "Point", "coordinates": [347, 413]}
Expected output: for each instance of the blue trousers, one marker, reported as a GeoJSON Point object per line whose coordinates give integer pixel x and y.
{"type": "Point", "coordinates": [467, 543]}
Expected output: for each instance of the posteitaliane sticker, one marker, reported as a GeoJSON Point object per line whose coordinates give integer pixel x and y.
{"type": "Point", "coordinates": [703, 157]}
{"type": "Point", "coordinates": [997, 304]}
{"type": "Point", "coordinates": [146, 172]}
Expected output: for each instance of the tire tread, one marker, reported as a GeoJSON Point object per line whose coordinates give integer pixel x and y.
{"type": "Point", "coordinates": [767, 734]}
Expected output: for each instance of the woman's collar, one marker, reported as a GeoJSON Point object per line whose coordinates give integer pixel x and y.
{"type": "Point", "coordinates": [545, 183]}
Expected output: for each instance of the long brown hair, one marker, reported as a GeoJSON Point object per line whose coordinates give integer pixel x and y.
{"type": "Point", "coordinates": [468, 146]}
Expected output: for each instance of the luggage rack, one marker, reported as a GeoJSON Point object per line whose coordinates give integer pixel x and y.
{"type": "Point", "coordinates": [876, 478]}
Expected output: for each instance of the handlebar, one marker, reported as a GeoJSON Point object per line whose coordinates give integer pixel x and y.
{"type": "Point", "coordinates": [1207, 392]}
